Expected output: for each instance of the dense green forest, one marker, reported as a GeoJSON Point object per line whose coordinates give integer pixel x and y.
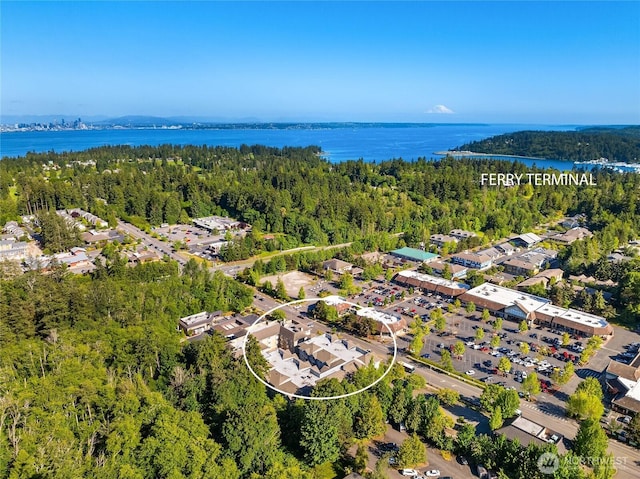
{"type": "Point", "coordinates": [295, 192]}
{"type": "Point", "coordinates": [303, 199]}
{"type": "Point", "coordinates": [615, 144]}
{"type": "Point", "coordinates": [94, 381]}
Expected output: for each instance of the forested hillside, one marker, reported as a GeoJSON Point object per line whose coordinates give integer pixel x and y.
{"type": "Point", "coordinates": [615, 144]}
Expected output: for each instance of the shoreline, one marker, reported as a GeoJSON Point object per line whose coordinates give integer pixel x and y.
{"type": "Point", "coordinates": [456, 153]}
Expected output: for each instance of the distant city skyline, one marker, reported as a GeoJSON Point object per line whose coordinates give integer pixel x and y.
{"type": "Point", "coordinates": [442, 62]}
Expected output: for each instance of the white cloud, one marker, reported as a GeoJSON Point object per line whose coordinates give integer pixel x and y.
{"type": "Point", "coordinates": [439, 109]}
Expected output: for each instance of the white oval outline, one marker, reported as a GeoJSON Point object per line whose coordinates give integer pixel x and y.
{"type": "Point", "coordinates": [315, 398]}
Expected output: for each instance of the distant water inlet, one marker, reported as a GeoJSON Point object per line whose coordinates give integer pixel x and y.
{"type": "Point", "coordinates": [338, 143]}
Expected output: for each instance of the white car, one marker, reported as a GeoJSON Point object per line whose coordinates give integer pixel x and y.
{"type": "Point", "coordinates": [433, 473]}
{"type": "Point", "coordinates": [409, 472]}
{"type": "Point", "coordinates": [470, 372]}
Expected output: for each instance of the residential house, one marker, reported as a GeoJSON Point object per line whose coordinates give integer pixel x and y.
{"type": "Point", "coordinates": [492, 253]}
{"type": "Point", "coordinates": [298, 365]}
{"type": "Point", "coordinates": [13, 250]}
{"type": "Point", "coordinates": [570, 223]}
{"type": "Point", "coordinates": [572, 235]}
{"type": "Point", "coordinates": [519, 267]}
{"type": "Point", "coordinates": [506, 249]}
{"type": "Point", "coordinates": [440, 240]}
{"type": "Point", "coordinates": [462, 234]}
{"type": "Point", "coordinates": [456, 270]}
{"type": "Point", "coordinates": [199, 323]}
{"type": "Point", "coordinates": [337, 266]}
{"type": "Point", "coordinates": [543, 277]}
{"type": "Point", "coordinates": [76, 260]}
{"type": "Point", "coordinates": [472, 260]}
{"type": "Point", "coordinates": [93, 236]}
{"type": "Point", "coordinates": [12, 228]}
{"type": "Point", "coordinates": [526, 240]}
{"type": "Point", "coordinates": [373, 257]}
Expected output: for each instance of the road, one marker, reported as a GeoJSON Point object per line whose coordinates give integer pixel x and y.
{"type": "Point", "coordinates": [627, 458]}
{"type": "Point", "coordinates": [232, 269]}
{"type": "Point", "coordinates": [545, 411]}
{"type": "Point", "coordinates": [548, 410]}
{"type": "Point", "coordinates": [159, 246]}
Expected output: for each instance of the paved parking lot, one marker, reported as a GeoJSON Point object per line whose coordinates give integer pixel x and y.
{"type": "Point", "coordinates": [614, 347]}
{"type": "Point", "coordinates": [434, 458]}
{"type": "Point", "coordinates": [462, 326]}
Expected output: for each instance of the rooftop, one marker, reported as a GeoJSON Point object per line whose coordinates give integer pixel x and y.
{"type": "Point", "coordinates": [438, 265]}
{"type": "Point", "coordinates": [462, 233]}
{"type": "Point", "coordinates": [480, 258]}
{"type": "Point", "coordinates": [290, 368]}
{"type": "Point", "coordinates": [379, 316]}
{"type": "Point", "coordinates": [414, 254]}
{"type": "Point", "coordinates": [436, 280]}
{"type": "Point", "coordinates": [529, 238]}
{"type": "Point", "coordinates": [508, 297]}
{"type": "Point", "coordinates": [527, 426]}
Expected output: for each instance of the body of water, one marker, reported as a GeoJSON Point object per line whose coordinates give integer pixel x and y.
{"type": "Point", "coordinates": [339, 143]}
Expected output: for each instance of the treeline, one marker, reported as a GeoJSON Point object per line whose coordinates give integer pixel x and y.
{"type": "Point", "coordinates": [92, 367]}
{"type": "Point", "coordinates": [615, 144]}
{"type": "Point", "coordinates": [292, 192]}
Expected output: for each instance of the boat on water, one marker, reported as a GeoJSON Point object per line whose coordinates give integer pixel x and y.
{"type": "Point", "coordinates": [617, 166]}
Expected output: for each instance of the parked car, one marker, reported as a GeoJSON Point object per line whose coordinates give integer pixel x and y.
{"type": "Point", "coordinates": [625, 419]}
{"type": "Point", "coordinates": [409, 472]}
{"type": "Point", "coordinates": [433, 473]}
{"type": "Point", "coordinates": [388, 446]}
{"type": "Point", "coordinates": [471, 372]}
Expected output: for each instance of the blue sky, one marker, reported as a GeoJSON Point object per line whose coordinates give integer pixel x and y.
{"type": "Point", "coordinates": [547, 62]}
